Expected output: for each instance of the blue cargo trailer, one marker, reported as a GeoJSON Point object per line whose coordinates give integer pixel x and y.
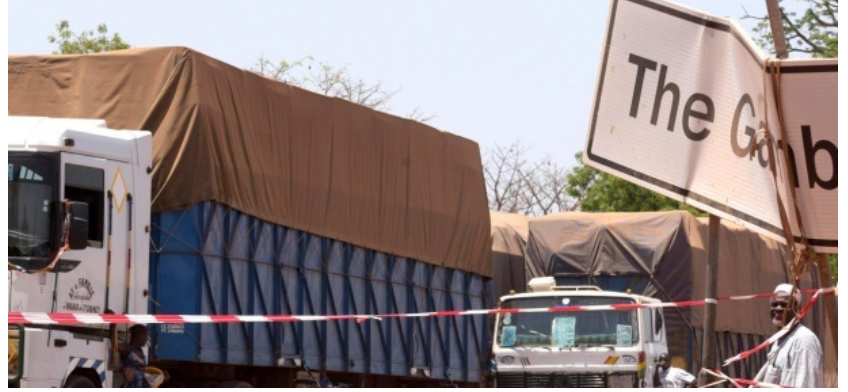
{"type": "Point", "coordinates": [213, 260]}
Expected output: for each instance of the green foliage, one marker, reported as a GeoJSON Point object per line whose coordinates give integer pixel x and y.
{"type": "Point", "coordinates": [86, 41]}
{"type": "Point", "coordinates": [601, 192]}
{"type": "Point", "coordinates": [814, 31]}
{"type": "Point", "coordinates": [834, 266]}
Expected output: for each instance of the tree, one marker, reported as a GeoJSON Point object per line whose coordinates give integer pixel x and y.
{"type": "Point", "coordinates": [502, 167]}
{"type": "Point", "coordinates": [814, 32]}
{"type": "Point", "coordinates": [518, 186]}
{"type": "Point", "coordinates": [332, 81]}
{"type": "Point", "coordinates": [86, 41]}
{"type": "Point", "coordinates": [834, 266]}
{"type": "Point", "coordinates": [600, 192]}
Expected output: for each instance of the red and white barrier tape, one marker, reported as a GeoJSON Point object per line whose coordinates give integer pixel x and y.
{"type": "Point", "coordinates": [77, 318]}
{"type": "Point", "coordinates": [737, 382]}
{"type": "Point", "coordinates": [757, 384]}
{"type": "Point", "coordinates": [94, 319]}
{"type": "Point", "coordinates": [788, 328]}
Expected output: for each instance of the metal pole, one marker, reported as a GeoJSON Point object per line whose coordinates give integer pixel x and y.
{"type": "Point", "coordinates": [776, 21]}
{"type": "Point", "coordinates": [830, 308]}
{"type": "Point", "coordinates": [711, 288]}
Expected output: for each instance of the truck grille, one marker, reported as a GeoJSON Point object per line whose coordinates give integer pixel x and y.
{"type": "Point", "coordinates": [511, 380]}
{"type": "Point", "coordinates": [551, 380]}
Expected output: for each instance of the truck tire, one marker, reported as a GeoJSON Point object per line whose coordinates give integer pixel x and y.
{"type": "Point", "coordinates": [234, 384]}
{"type": "Point", "coordinates": [79, 382]}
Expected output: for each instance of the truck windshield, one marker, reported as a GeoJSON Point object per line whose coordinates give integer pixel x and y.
{"type": "Point", "coordinates": [565, 330]}
{"type": "Point", "coordinates": [32, 188]}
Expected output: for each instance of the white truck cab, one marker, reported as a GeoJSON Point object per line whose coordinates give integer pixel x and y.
{"type": "Point", "coordinates": [562, 348]}
{"type": "Point", "coordinates": [79, 213]}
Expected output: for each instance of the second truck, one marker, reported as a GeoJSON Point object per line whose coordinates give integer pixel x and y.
{"type": "Point", "coordinates": [538, 347]}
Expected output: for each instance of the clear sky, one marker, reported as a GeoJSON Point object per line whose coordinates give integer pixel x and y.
{"type": "Point", "coordinates": [493, 71]}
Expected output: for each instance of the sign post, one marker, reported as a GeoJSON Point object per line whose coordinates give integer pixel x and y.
{"type": "Point", "coordinates": [776, 22]}
{"type": "Point", "coordinates": [708, 353]}
{"type": "Point", "coordinates": [823, 266]}
{"type": "Point", "coordinates": [685, 107]}
{"type": "Point", "coordinates": [830, 309]}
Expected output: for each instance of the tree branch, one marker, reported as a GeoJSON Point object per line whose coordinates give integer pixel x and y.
{"type": "Point", "coordinates": [800, 35]}
{"type": "Point", "coordinates": [749, 16]}
{"type": "Point", "coordinates": [831, 13]}
{"type": "Point", "coordinates": [822, 22]}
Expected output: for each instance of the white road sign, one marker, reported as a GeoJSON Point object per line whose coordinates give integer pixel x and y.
{"type": "Point", "coordinates": [681, 100]}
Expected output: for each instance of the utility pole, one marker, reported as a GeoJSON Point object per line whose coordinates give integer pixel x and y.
{"type": "Point", "coordinates": [776, 21]}
{"type": "Point", "coordinates": [830, 309]}
{"type": "Point", "coordinates": [711, 292]}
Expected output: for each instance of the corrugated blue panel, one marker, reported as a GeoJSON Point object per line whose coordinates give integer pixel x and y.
{"type": "Point", "coordinates": [335, 287]}
{"type": "Point", "coordinates": [401, 348]}
{"type": "Point", "coordinates": [176, 281]}
{"type": "Point", "coordinates": [378, 302]}
{"type": "Point", "coordinates": [440, 332]}
{"type": "Point", "coordinates": [461, 345]}
{"type": "Point", "coordinates": [478, 298]}
{"type": "Point", "coordinates": [210, 259]}
{"type": "Point", "coordinates": [289, 297]}
{"type": "Point", "coordinates": [358, 292]}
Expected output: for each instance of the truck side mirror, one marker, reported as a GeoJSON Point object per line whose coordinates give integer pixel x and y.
{"type": "Point", "coordinates": [78, 230]}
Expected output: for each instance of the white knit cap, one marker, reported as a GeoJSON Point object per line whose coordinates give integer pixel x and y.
{"type": "Point", "coordinates": [787, 289]}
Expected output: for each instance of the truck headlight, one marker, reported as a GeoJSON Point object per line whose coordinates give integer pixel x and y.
{"type": "Point", "coordinates": [622, 380]}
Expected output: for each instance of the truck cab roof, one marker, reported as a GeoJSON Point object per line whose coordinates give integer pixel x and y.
{"type": "Point", "coordinates": [81, 136]}
{"type": "Point", "coordinates": [557, 292]}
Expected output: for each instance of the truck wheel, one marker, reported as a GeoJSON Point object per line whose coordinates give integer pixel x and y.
{"type": "Point", "coordinates": [234, 384]}
{"type": "Point", "coordinates": [79, 382]}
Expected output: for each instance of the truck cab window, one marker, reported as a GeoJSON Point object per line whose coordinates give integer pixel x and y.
{"type": "Point", "coordinates": [85, 184]}
{"type": "Point", "coordinates": [31, 192]}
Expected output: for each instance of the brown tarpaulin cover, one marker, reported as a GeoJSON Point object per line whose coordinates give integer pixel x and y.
{"type": "Point", "coordinates": [509, 238]}
{"type": "Point", "coordinates": [283, 154]}
{"type": "Point", "coordinates": [670, 247]}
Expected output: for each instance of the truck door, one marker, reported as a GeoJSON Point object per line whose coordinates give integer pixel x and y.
{"type": "Point", "coordinates": [97, 283]}
{"type": "Point", "coordinates": [656, 343]}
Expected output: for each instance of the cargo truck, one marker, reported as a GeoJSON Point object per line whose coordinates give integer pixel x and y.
{"type": "Point", "coordinates": [247, 197]}
{"type": "Point", "coordinates": [658, 255]}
